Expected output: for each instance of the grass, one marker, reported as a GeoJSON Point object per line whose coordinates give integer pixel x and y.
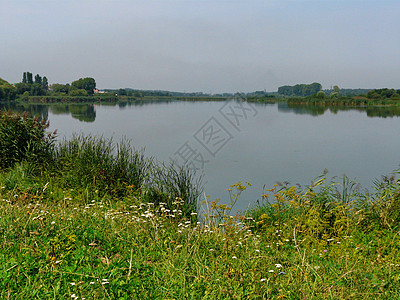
{"type": "Point", "coordinates": [62, 243]}
{"type": "Point", "coordinates": [101, 221]}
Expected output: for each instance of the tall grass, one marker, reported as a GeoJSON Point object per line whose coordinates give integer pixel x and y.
{"type": "Point", "coordinates": [24, 138]}
{"type": "Point", "coordinates": [100, 164]}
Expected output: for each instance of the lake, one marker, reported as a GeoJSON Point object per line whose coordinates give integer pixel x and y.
{"type": "Point", "coordinates": [237, 141]}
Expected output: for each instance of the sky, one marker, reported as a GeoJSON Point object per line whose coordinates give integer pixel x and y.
{"type": "Point", "coordinates": [200, 45]}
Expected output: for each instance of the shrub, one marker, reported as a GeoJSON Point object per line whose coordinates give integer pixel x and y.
{"type": "Point", "coordinates": [24, 138]}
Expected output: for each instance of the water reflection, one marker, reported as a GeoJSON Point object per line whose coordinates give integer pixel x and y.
{"type": "Point", "coordinates": [39, 110]}
{"type": "Point", "coordinates": [81, 112]}
{"type": "Point", "coordinates": [318, 110]}
{"type": "Point", "coordinates": [87, 112]}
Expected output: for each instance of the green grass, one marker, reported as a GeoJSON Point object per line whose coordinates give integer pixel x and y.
{"type": "Point", "coordinates": [57, 242]}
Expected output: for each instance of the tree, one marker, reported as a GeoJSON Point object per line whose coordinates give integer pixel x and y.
{"type": "Point", "coordinates": [320, 95]}
{"type": "Point", "coordinates": [29, 78]}
{"type": "Point", "coordinates": [7, 91]}
{"type": "Point", "coordinates": [300, 89]}
{"type": "Point", "coordinates": [88, 84]}
{"type": "Point", "coordinates": [22, 88]}
{"type": "Point", "coordinates": [37, 90]}
{"type": "Point", "coordinates": [336, 89]}
{"type": "Point", "coordinates": [38, 79]}
{"type": "Point", "coordinates": [122, 92]}
{"type": "Point", "coordinates": [24, 79]}
{"type": "Point", "coordinates": [286, 90]}
{"type": "Point", "coordinates": [78, 92]}
{"type": "Point", "coordinates": [60, 88]}
{"type": "Point", "coordinates": [45, 83]}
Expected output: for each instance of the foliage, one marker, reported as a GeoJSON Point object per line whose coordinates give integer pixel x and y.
{"type": "Point", "coordinates": [37, 87]}
{"type": "Point", "coordinates": [60, 88]}
{"type": "Point", "coordinates": [300, 89]}
{"type": "Point", "coordinates": [80, 92]}
{"type": "Point", "coordinates": [7, 91]}
{"type": "Point", "coordinates": [383, 93]}
{"type": "Point", "coordinates": [23, 138]}
{"type": "Point", "coordinates": [87, 83]}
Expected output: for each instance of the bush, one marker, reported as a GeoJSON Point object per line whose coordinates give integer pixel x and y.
{"type": "Point", "coordinates": [24, 138]}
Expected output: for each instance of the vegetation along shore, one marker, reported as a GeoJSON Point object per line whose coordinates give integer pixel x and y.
{"type": "Point", "coordinates": [88, 218]}
{"type": "Point", "coordinates": [36, 89]}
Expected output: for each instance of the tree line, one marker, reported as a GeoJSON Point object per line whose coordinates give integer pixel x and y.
{"type": "Point", "coordinates": [39, 86]}
{"type": "Point", "coordinates": [303, 90]}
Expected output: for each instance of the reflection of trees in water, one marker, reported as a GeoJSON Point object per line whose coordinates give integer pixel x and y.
{"type": "Point", "coordinates": [383, 111]}
{"type": "Point", "coordinates": [316, 110]}
{"type": "Point", "coordinates": [34, 110]}
{"type": "Point", "coordinates": [301, 109]}
{"type": "Point", "coordinates": [81, 112]}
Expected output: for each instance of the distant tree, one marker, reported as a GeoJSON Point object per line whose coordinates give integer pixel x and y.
{"type": "Point", "coordinates": [336, 89]}
{"type": "Point", "coordinates": [372, 94]}
{"type": "Point", "coordinates": [7, 91]}
{"type": "Point", "coordinates": [45, 83]}
{"type": "Point", "coordinates": [286, 90]}
{"type": "Point", "coordinates": [88, 84]}
{"type": "Point", "coordinates": [334, 95]}
{"type": "Point", "coordinates": [315, 88]}
{"type": "Point", "coordinates": [22, 88]}
{"type": "Point", "coordinates": [38, 79]}
{"type": "Point", "coordinates": [137, 93]}
{"type": "Point", "coordinates": [24, 79]}
{"type": "Point", "coordinates": [300, 89]}
{"type": "Point", "coordinates": [320, 95]}
{"type": "Point", "coordinates": [122, 92]}
{"type": "Point", "coordinates": [78, 92]}
{"type": "Point", "coordinates": [60, 88]}
{"type": "Point", "coordinates": [37, 90]}
{"type": "Point", "coordinates": [29, 78]}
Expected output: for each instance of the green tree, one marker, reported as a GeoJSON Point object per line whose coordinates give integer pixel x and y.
{"type": "Point", "coordinates": [29, 78]}
{"type": "Point", "coordinates": [88, 84]}
{"type": "Point", "coordinates": [37, 90]}
{"type": "Point", "coordinates": [300, 89]}
{"type": "Point", "coordinates": [24, 79]}
{"type": "Point", "coordinates": [45, 83]}
{"type": "Point", "coordinates": [336, 89]}
{"type": "Point", "coordinates": [78, 92]}
{"type": "Point", "coordinates": [320, 95]}
{"type": "Point", "coordinates": [7, 91]}
{"type": "Point", "coordinates": [286, 90]}
{"type": "Point", "coordinates": [22, 88]}
{"type": "Point", "coordinates": [122, 92]}
{"type": "Point", "coordinates": [60, 88]}
{"type": "Point", "coordinates": [38, 79]}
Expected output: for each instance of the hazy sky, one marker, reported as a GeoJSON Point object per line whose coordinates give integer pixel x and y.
{"type": "Point", "coordinates": [198, 45]}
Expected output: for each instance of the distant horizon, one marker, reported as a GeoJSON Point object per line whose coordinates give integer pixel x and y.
{"type": "Point", "coordinates": [210, 46]}
{"type": "Point", "coordinates": [208, 92]}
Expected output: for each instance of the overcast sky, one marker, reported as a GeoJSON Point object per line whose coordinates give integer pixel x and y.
{"type": "Point", "coordinates": [199, 45]}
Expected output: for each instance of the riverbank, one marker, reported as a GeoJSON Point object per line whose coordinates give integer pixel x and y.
{"type": "Point", "coordinates": [68, 243]}
{"type": "Point", "coordinates": [81, 220]}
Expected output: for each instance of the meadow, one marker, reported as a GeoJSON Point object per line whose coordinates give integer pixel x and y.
{"type": "Point", "coordinates": [89, 218]}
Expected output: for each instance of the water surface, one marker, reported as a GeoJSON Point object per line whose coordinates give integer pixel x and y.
{"type": "Point", "coordinates": [273, 142]}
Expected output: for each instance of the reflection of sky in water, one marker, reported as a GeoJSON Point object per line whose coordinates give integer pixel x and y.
{"type": "Point", "coordinates": [276, 145]}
